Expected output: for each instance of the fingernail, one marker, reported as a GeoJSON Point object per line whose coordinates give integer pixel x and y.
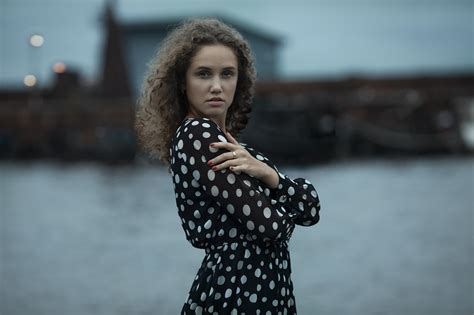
{"type": "Point", "coordinates": [209, 162]}
{"type": "Point", "coordinates": [211, 145]}
{"type": "Point", "coordinates": [214, 168]}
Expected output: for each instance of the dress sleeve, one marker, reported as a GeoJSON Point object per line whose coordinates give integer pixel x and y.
{"type": "Point", "coordinates": [237, 193]}
{"type": "Point", "coordinates": [298, 195]}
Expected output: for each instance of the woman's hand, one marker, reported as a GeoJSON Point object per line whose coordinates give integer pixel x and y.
{"type": "Point", "coordinates": [238, 160]}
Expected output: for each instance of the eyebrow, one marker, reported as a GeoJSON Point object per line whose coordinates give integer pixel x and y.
{"type": "Point", "coordinates": [210, 68]}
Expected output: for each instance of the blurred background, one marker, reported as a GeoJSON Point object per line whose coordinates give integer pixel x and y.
{"type": "Point", "coordinates": [371, 100]}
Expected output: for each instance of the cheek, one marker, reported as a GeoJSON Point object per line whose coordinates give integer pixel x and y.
{"type": "Point", "coordinates": [193, 89]}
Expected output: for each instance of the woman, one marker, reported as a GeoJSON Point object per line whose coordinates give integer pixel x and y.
{"type": "Point", "coordinates": [231, 199]}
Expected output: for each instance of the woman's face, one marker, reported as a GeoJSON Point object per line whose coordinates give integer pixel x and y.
{"type": "Point", "coordinates": [211, 80]}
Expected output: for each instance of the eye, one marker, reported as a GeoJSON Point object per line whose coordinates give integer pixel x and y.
{"type": "Point", "coordinates": [228, 73]}
{"type": "Point", "coordinates": [203, 73]}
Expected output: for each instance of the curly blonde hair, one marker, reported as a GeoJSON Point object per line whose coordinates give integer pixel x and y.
{"type": "Point", "coordinates": [162, 104]}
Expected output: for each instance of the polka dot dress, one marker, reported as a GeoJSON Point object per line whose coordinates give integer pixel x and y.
{"type": "Point", "coordinates": [242, 225]}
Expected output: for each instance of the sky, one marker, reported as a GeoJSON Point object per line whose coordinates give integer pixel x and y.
{"type": "Point", "coordinates": [320, 38]}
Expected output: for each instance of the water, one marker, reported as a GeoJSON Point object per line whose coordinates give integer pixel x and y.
{"type": "Point", "coordinates": [395, 237]}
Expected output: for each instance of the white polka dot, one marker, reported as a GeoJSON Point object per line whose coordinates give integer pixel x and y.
{"type": "Point", "coordinates": [203, 296]}
{"type": "Point", "coordinates": [259, 157]}
{"type": "Point", "coordinates": [191, 225]}
{"type": "Point", "coordinates": [206, 134]}
{"type": "Point", "coordinates": [180, 144]}
{"type": "Point", "coordinates": [191, 160]}
{"type": "Point", "coordinates": [272, 285]}
{"type": "Point", "coordinates": [261, 228]}
{"type": "Point", "coordinates": [258, 273]}
{"type": "Point", "coordinates": [247, 253]}
{"type": "Point", "coordinates": [267, 212]}
{"type": "Point", "coordinates": [211, 175]}
{"type": "Point", "coordinates": [196, 175]}
{"type": "Point", "coordinates": [222, 138]}
{"type": "Point", "coordinates": [225, 194]}
{"type": "Point", "coordinates": [195, 123]}
{"type": "Point", "coordinates": [176, 178]}
{"type": "Point", "coordinates": [213, 150]}
{"type": "Point", "coordinates": [233, 232]}
{"type": "Point", "coordinates": [220, 280]}
{"type": "Point", "coordinates": [253, 298]}
{"type": "Point", "coordinates": [313, 211]}
{"type": "Point", "coordinates": [228, 293]}
{"type": "Point", "coordinates": [197, 214]}
{"type": "Point", "coordinates": [208, 224]}
{"type": "Point", "coordinates": [275, 226]}
{"type": "Point", "coordinates": [214, 191]}
{"type": "Point", "coordinates": [190, 136]}
{"type": "Point", "coordinates": [250, 225]}
{"type": "Point", "coordinates": [291, 191]}
{"type": "Point", "coordinates": [313, 193]}
{"type": "Point", "coordinates": [231, 178]}
{"type": "Point", "coordinates": [197, 144]}
{"type": "Point", "coordinates": [206, 125]}
{"type": "Point", "coordinates": [184, 169]}
{"type": "Point", "coordinates": [238, 192]}
{"type": "Point", "coordinates": [230, 208]}
{"type": "Point", "coordinates": [243, 279]}
{"type": "Point", "coordinates": [246, 210]}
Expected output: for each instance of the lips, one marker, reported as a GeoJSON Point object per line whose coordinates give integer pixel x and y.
{"type": "Point", "coordinates": [216, 102]}
{"type": "Point", "coordinates": [215, 99]}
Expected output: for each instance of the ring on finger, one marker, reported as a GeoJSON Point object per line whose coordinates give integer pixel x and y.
{"type": "Point", "coordinates": [234, 154]}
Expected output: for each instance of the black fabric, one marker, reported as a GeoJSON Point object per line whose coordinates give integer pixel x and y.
{"type": "Point", "coordinates": [243, 226]}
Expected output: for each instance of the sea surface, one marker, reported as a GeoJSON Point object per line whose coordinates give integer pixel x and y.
{"type": "Point", "coordinates": [395, 237]}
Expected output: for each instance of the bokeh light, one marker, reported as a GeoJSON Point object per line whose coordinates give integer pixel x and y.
{"type": "Point", "coordinates": [59, 67]}
{"type": "Point", "coordinates": [29, 80]}
{"type": "Point", "coordinates": [36, 40]}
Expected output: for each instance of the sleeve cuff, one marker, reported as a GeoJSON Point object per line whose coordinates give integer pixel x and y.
{"type": "Point", "coordinates": [285, 189]}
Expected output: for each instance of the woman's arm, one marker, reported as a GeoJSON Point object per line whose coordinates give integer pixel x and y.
{"type": "Point", "coordinates": [237, 193]}
{"type": "Point", "coordinates": [298, 195]}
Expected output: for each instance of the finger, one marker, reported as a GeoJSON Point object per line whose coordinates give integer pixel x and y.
{"type": "Point", "coordinates": [227, 164]}
{"type": "Point", "coordinates": [232, 168]}
{"type": "Point", "coordinates": [238, 168]}
{"type": "Point", "coordinates": [221, 158]}
{"type": "Point", "coordinates": [230, 138]}
{"type": "Point", "coordinates": [225, 145]}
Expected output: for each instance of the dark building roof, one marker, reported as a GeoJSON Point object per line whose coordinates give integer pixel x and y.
{"type": "Point", "coordinates": [169, 23]}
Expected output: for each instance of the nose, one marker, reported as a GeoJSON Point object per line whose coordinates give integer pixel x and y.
{"type": "Point", "coordinates": [216, 86]}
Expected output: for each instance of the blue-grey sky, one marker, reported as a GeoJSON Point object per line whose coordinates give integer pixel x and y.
{"type": "Point", "coordinates": [320, 38]}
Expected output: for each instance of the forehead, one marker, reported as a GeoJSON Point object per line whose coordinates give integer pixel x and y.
{"type": "Point", "coordinates": [214, 56]}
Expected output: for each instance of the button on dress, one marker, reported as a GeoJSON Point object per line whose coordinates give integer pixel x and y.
{"type": "Point", "coordinates": [243, 226]}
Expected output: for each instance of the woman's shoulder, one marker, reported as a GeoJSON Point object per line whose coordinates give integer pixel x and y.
{"type": "Point", "coordinates": [200, 127]}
